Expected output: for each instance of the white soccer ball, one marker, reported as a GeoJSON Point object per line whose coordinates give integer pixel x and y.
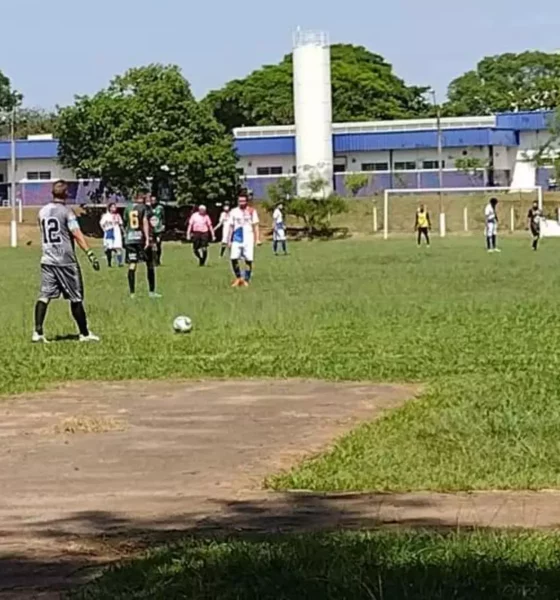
{"type": "Point", "coordinates": [182, 325]}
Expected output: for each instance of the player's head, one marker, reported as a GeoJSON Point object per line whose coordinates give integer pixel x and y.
{"type": "Point", "coordinates": [493, 202]}
{"type": "Point", "coordinates": [422, 208]}
{"type": "Point", "coordinates": [60, 191]}
{"type": "Point", "coordinates": [112, 207]}
{"type": "Point", "coordinates": [536, 204]}
{"type": "Point", "coordinates": [140, 197]}
{"type": "Point", "coordinates": [242, 201]}
{"type": "Point", "coordinates": [279, 206]}
{"type": "Point", "coordinates": [154, 200]}
{"type": "Point", "coordinates": [202, 209]}
{"type": "Point", "coordinates": [226, 208]}
{"type": "Point", "coordinates": [148, 199]}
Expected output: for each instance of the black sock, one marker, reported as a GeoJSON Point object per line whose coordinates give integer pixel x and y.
{"type": "Point", "coordinates": [494, 242]}
{"type": "Point", "coordinates": [488, 242]}
{"type": "Point", "coordinates": [275, 247]}
{"type": "Point", "coordinates": [284, 248]}
{"type": "Point", "coordinates": [236, 269]}
{"type": "Point", "coordinates": [222, 250]}
{"type": "Point", "coordinates": [109, 255]}
{"type": "Point", "coordinates": [204, 253]}
{"type": "Point", "coordinates": [79, 314]}
{"type": "Point", "coordinates": [131, 281]}
{"type": "Point", "coordinates": [159, 251]}
{"type": "Point", "coordinates": [40, 314]}
{"type": "Point", "coordinates": [151, 278]}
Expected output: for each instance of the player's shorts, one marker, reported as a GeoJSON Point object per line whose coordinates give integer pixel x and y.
{"type": "Point", "coordinates": [279, 234]}
{"type": "Point", "coordinates": [136, 253]}
{"type": "Point", "coordinates": [62, 280]}
{"type": "Point", "coordinates": [535, 229]}
{"type": "Point", "coordinates": [200, 240]}
{"type": "Point", "coordinates": [244, 250]}
{"type": "Point", "coordinates": [491, 229]}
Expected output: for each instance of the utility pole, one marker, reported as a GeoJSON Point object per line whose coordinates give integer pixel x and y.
{"type": "Point", "coordinates": [440, 162]}
{"type": "Point", "coordinates": [13, 223]}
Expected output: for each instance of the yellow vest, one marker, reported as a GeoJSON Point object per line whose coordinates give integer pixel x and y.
{"type": "Point", "coordinates": [422, 219]}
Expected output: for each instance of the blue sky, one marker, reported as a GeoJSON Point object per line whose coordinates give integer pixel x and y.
{"type": "Point", "coordinates": [53, 49]}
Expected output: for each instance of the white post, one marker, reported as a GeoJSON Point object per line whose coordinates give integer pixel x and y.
{"type": "Point", "coordinates": [512, 219]}
{"type": "Point", "coordinates": [442, 224]}
{"type": "Point", "coordinates": [540, 196]}
{"type": "Point", "coordinates": [20, 206]}
{"type": "Point", "coordinates": [13, 222]}
{"type": "Point", "coordinates": [466, 219]}
{"type": "Point", "coordinates": [386, 214]}
{"type": "Point", "coordinates": [558, 213]}
{"type": "Point", "coordinates": [374, 218]}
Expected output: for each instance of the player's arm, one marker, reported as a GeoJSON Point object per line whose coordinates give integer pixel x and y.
{"type": "Point", "coordinates": [211, 227]}
{"type": "Point", "coordinates": [416, 222]}
{"type": "Point", "coordinates": [77, 234]}
{"type": "Point", "coordinates": [146, 229]}
{"type": "Point", "coordinates": [529, 218]}
{"type": "Point", "coordinates": [256, 230]}
{"type": "Point", "coordinates": [428, 220]}
{"type": "Point", "coordinates": [189, 227]}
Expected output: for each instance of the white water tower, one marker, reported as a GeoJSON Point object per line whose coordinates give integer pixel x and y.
{"type": "Point", "coordinates": [313, 110]}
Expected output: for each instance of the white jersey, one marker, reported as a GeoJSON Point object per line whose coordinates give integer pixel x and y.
{"type": "Point", "coordinates": [242, 222]}
{"type": "Point", "coordinates": [224, 223]}
{"type": "Point", "coordinates": [278, 218]}
{"type": "Point", "coordinates": [111, 224]}
{"type": "Point", "coordinates": [490, 215]}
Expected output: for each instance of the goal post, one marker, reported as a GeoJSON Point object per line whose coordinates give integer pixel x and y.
{"type": "Point", "coordinates": [455, 205]}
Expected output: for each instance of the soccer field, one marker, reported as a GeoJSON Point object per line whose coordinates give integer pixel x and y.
{"type": "Point", "coordinates": [477, 330]}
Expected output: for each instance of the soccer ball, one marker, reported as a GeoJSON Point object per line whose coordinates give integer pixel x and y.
{"type": "Point", "coordinates": [182, 325]}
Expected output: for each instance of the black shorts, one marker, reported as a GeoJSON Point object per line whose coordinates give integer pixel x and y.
{"type": "Point", "coordinates": [200, 240]}
{"type": "Point", "coordinates": [136, 253]}
{"type": "Point", "coordinates": [62, 280]}
{"type": "Point", "coordinates": [535, 230]}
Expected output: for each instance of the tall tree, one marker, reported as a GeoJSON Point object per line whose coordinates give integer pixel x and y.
{"type": "Point", "coordinates": [507, 82]}
{"type": "Point", "coordinates": [9, 98]}
{"type": "Point", "coordinates": [33, 121]}
{"type": "Point", "coordinates": [364, 87]}
{"type": "Point", "coordinates": [144, 120]}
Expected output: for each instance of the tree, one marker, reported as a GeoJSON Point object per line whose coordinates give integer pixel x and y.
{"type": "Point", "coordinates": [34, 121]}
{"type": "Point", "coordinates": [356, 182]}
{"type": "Point", "coordinates": [144, 120]}
{"type": "Point", "coordinates": [9, 98]}
{"type": "Point", "coordinates": [364, 87]}
{"type": "Point", "coordinates": [507, 82]}
{"type": "Point", "coordinates": [471, 166]}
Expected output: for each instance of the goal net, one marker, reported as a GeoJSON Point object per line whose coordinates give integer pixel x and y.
{"type": "Point", "coordinates": [460, 210]}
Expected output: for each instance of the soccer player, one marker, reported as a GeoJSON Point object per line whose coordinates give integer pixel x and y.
{"type": "Point", "coordinates": [279, 231]}
{"type": "Point", "coordinates": [112, 225]}
{"type": "Point", "coordinates": [60, 271]}
{"type": "Point", "coordinates": [534, 217]}
{"type": "Point", "coordinates": [200, 230]}
{"type": "Point", "coordinates": [224, 223]}
{"type": "Point", "coordinates": [422, 225]}
{"type": "Point", "coordinates": [138, 244]}
{"type": "Point", "coordinates": [157, 221]}
{"type": "Point", "coordinates": [244, 235]}
{"type": "Point", "coordinates": [491, 229]}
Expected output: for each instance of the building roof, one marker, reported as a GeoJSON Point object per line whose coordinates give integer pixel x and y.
{"type": "Point", "coordinates": [29, 149]}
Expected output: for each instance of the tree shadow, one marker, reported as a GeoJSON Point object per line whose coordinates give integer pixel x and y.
{"type": "Point", "coordinates": [279, 546]}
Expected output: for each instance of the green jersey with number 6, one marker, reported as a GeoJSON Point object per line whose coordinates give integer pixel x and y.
{"type": "Point", "coordinates": [134, 216]}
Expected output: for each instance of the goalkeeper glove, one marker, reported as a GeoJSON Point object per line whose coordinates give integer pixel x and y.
{"type": "Point", "coordinates": [93, 260]}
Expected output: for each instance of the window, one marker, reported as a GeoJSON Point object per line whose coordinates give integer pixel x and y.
{"type": "Point", "coordinates": [38, 175]}
{"type": "Point", "coordinates": [433, 164]}
{"type": "Point", "coordinates": [339, 168]}
{"type": "Point", "coordinates": [269, 170]}
{"type": "Point", "coordinates": [407, 165]}
{"type": "Point", "coordinates": [377, 166]}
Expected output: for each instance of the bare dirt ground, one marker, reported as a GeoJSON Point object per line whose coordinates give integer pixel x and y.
{"type": "Point", "coordinates": [90, 473]}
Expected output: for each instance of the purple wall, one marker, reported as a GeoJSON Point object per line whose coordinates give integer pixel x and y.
{"type": "Point", "coordinates": [38, 193]}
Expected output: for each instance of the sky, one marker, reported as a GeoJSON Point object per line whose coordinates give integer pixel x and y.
{"type": "Point", "coordinates": [54, 49]}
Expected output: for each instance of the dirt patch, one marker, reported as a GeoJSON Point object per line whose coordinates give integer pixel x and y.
{"type": "Point", "coordinates": [188, 452]}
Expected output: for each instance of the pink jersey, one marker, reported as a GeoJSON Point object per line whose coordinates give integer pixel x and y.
{"type": "Point", "coordinates": [200, 223]}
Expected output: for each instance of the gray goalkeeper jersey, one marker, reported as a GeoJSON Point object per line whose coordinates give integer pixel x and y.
{"type": "Point", "coordinates": [57, 222]}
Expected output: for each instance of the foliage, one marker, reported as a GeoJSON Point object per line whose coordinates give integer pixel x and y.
{"type": "Point", "coordinates": [356, 182]}
{"type": "Point", "coordinates": [364, 87]}
{"type": "Point", "coordinates": [282, 191]}
{"type": "Point", "coordinates": [390, 564]}
{"type": "Point", "coordinates": [9, 98]}
{"type": "Point", "coordinates": [507, 82]}
{"type": "Point", "coordinates": [144, 120]}
{"type": "Point", "coordinates": [33, 121]}
{"type": "Point", "coordinates": [316, 213]}
{"type": "Point", "coordinates": [471, 166]}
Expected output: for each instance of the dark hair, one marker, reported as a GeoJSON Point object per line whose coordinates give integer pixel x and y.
{"type": "Point", "coordinates": [111, 204]}
{"type": "Point", "coordinates": [493, 201]}
{"type": "Point", "coordinates": [60, 190]}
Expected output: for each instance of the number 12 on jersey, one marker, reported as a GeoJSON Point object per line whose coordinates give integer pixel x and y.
{"type": "Point", "coordinates": [51, 231]}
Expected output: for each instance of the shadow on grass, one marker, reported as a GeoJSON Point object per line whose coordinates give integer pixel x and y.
{"type": "Point", "coordinates": [284, 546]}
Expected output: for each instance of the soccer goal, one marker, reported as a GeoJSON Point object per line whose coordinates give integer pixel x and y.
{"type": "Point", "coordinates": [457, 210]}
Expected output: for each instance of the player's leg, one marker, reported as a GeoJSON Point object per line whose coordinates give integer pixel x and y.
{"type": "Point", "coordinates": [120, 258]}
{"type": "Point", "coordinates": [248, 255]}
{"type": "Point", "coordinates": [159, 250]}
{"type": "Point", "coordinates": [132, 257]}
{"type": "Point", "coordinates": [72, 284]}
{"type": "Point", "coordinates": [151, 273]}
{"type": "Point", "coordinates": [427, 236]}
{"type": "Point", "coordinates": [536, 234]}
{"type": "Point", "coordinates": [275, 241]}
{"type": "Point", "coordinates": [50, 289]}
{"type": "Point", "coordinates": [204, 249]}
{"type": "Point", "coordinates": [109, 255]}
{"type": "Point", "coordinates": [223, 250]}
{"type": "Point", "coordinates": [235, 256]}
{"type": "Point", "coordinates": [419, 236]}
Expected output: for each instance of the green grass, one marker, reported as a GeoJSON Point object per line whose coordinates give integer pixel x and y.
{"type": "Point", "coordinates": [349, 566]}
{"type": "Point", "coordinates": [480, 331]}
